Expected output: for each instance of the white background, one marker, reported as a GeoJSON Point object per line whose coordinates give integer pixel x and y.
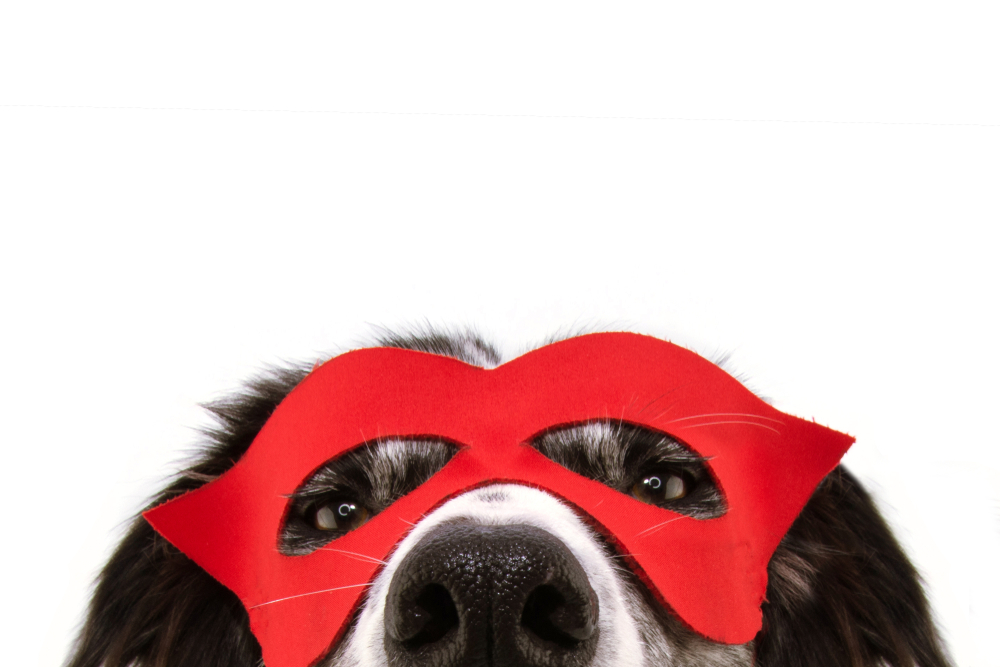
{"type": "Point", "coordinates": [191, 190]}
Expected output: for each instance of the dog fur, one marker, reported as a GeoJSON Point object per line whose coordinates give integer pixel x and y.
{"type": "Point", "coordinates": [841, 591]}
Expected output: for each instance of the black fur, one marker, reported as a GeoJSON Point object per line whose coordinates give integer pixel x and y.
{"type": "Point", "coordinates": [866, 603]}
{"type": "Point", "coordinates": [841, 591]}
{"type": "Point", "coordinates": [152, 606]}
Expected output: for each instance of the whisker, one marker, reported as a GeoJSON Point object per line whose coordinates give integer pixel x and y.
{"type": "Point", "coordinates": [657, 399]}
{"type": "Point", "coordinates": [728, 414]}
{"type": "Point", "coordinates": [653, 529]}
{"type": "Point", "coordinates": [730, 422]}
{"type": "Point", "coordinates": [663, 413]}
{"type": "Point", "coordinates": [302, 595]}
{"type": "Point", "coordinates": [357, 556]}
{"type": "Point", "coordinates": [408, 523]}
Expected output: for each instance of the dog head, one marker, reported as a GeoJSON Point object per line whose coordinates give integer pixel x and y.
{"type": "Point", "coordinates": [510, 574]}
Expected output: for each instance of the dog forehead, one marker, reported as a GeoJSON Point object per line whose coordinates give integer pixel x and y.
{"type": "Point", "coordinates": [379, 392]}
{"type": "Point", "coordinates": [766, 463]}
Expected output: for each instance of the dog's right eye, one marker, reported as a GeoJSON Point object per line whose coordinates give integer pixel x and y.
{"type": "Point", "coordinates": [347, 491]}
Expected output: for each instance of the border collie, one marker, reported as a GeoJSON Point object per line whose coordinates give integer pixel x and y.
{"type": "Point", "coordinates": [841, 592]}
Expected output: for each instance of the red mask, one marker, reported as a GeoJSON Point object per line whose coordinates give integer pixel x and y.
{"type": "Point", "coordinates": [711, 573]}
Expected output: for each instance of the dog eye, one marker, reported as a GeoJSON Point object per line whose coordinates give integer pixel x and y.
{"type": "Point", "coordinates": [660, 487]}
{"type": "Point", "coordinates": [338, 515]}
{"type": "Point", "coordinates": [348, 490]}
{"type": "Point", "coordinates": [652, 467]}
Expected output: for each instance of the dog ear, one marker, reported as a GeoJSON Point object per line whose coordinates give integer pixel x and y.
{"type": "Point", "coordinates": [841, 591]}
{"type": "Point", "coordinates": [152, 605]}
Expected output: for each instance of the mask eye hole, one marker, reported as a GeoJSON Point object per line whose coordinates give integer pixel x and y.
{"type": "Point", "coordinates": [347, 491]}
{"type": "Point", "coordinates": [651, 466]}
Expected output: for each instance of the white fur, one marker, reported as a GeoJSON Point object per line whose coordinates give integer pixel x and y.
{"type": "Point", "coordinates": [620, 643]}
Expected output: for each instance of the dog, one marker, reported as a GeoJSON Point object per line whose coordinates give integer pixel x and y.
{"type": "Point", "coordinates": [840, 590]}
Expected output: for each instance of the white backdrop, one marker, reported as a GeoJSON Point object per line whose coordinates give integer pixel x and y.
{"type": "Point", "coordinates": [193, 190]}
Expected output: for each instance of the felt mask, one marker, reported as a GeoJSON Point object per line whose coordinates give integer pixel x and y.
{"type": "Point", "coordinates": [711, 573]}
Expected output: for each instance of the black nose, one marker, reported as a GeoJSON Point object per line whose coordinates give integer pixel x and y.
{"type": "Point", "coordinates": [472, 596]}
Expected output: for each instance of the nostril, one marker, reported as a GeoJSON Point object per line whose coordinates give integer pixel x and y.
{"type": "Point", "coordinates": [469, 594]}
{"type": "Point", "coordinates": [431, 616]}
{"type": "Point", "coordinates": [549, 616]}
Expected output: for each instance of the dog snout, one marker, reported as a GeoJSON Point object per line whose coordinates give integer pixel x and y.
{"type": "Point", "coordinates": [469, 595]}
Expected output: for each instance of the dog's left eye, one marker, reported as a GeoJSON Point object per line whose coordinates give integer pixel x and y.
{"type": "Point", "coordinates": [659, 487]}
{"type": "Point", "coordinates": [338, 515]}
{"type": "Point", "coordinates": [652, 467]}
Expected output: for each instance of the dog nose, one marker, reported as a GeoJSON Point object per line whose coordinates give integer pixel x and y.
{"type": "Point", "coordinates": [470, 595]}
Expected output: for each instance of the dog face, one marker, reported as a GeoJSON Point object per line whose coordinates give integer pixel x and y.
{"type": "Point", "coordinates": [431, 603]}
{"type": "Point", "coordinates": [505, 574]}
